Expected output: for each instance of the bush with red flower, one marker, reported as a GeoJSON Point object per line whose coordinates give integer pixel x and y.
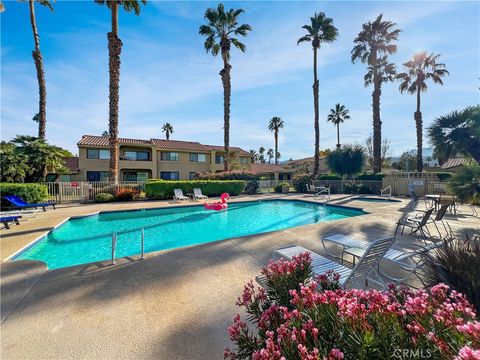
{"type": "Point", "coordinates": [296, 317]}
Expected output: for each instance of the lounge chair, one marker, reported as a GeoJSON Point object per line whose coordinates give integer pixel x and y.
{"type": "Point", "coordinates": [437, 219]}
{"type": "Point", "coordinates": [18, 202]}
{"type": "Point", "coordinates": [197, 194]}
{"type": "Point", "coordinates": [178, 195]}
{"type": "Point", "coordinates": [6, 219]}
{"type": "Point", "coordinates": [366, 266]}
{"type": "Point", "coordinates": [415, 224]}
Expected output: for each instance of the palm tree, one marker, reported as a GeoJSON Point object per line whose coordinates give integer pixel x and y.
{"type": "Point", "coordinates": [373, 45]}
{"type": "Point", "coordinates": [420, 68]}
{"type": "Point", "coordinates": [261, 157]}
{"type": "Point", "coordinates": [336, 117]}
{"type": "Point", "coordinates": [321, 30]}
{"type": "Point", "coordinates": [254, 155]}
{"type": "Point", "coordinates": [41, 116]}
{"type": "Point", "coordinates": [167, 128]}
{"type": "Point", "coordinates": [221, 28]}
{"type": "Point", "coordinates": [270, 155]}
{"type": "Point", "coordinates": [275, 124]}
{"type": "Point", "coordinates": [114, 50]}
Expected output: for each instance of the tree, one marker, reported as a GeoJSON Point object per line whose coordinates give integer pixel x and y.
{"type": "Point", "coordinates": [39, 157]}
{"type": "Point", "coordinates": [261, 157]}
{"type": "Point", "coordinates": [14, 166]}
{"type": "Point", "coordinates": [274, 125]}
{"type": "Point", "coordinates": [385, 152]}
{"type": "Point", "coordinates": [278, 155]}
{"type": "Point", "coordinates": [41, 116]}
{"type": "Point", "coordinates": [457, 133]}
{"type": "Point", "coordinates": [105, 133]}
{"type": "Point", "coordinates": [114, 50]}
{"type": "Point", "coordinates": [419, 69]}
{"type": "Point", "coordinates": [407, 161]}
{"type": "Point", "coordinates": [221, 28]}
{"type": "Point", "coordinates": [270, 155]}
{"type": "Point", "coordinates": [320, 30]}
{"type": "Point", "coordinates": [337, 116]}
{"type": "Point", "coordinates": [466, 185]}
{"type": "Point", "coordinates": [254, 155]}
{"type": "Point", "coordinates": [167, 128]}
{"type": "Point", "coordinates": [372, 47]}
{"type": "Point", "coordinates": [347, 160]}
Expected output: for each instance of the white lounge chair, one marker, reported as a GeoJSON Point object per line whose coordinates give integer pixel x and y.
{"type": "Point", "coordinates": [178, 195]}
{"type": "Point", "coordinates": [197, 194]}
{"type": "Point", "coordinates": [367, 265]}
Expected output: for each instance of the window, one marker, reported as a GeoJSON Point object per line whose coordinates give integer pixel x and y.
{"type": "Point", "coordinates": [101, 154]}
{"type": "Point", "coordinates": [169, 156]}
{"type": "Point", "coordinates": [191, 175]}
{"type": "Point", "coordinates": [219, 159]}
{"type": "Point", "coordinates": [136, 155]}
{"type": "Point", "coordinates": [169, 175]}
{"type": "Point", "coordinates": [98, 175]}
{"type": "Point", "coordinates": [244, 160]}
{"type": "Point", "coordinates": [197, 157]}
{"type": "Point", "coordinates": [135, 176]}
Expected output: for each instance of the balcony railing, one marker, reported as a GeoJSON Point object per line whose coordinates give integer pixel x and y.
{"type": "Point", "coordinates": [127, 158]}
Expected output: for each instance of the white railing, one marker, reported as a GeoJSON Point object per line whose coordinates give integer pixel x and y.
{"type": "Point", "coordinates": [85, 191]}
{"type": "Point", "coordinates": [324, 193]}
{"type": "Point", "coordinates": [269, 185]}
{"type": "Point", "coordinates": [114, 245]}
{"type": "Point", "coordinates": [389, 189]}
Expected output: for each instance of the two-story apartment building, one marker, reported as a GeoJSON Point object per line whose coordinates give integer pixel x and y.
{"type": "Point", "coordinates": [154, 159]}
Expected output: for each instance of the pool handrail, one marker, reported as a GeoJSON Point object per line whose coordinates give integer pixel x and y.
{"type": "Point", "coordinates": [319, 194]}
{"type": "Point", "coordinates": [389, 188]}
{"type": "Point", "coordinates": [114, 246]}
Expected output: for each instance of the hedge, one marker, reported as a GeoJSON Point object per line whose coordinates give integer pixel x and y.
{"type": "Point", "coordinates": [329, 177]}
{"type": "Point", "coordinates": [227, 175]}
{"type": "Point", "coordinates": [377, 177]}
{"type": "Point", "coordinates": [163, 189]}
{"type": "Point", "coordinates": [31, 193]}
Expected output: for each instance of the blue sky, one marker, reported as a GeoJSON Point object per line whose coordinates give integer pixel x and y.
{"type": "Point", "coordinates": [166, 76]}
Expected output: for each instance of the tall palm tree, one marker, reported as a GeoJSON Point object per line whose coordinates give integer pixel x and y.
{"type": "Point", "coordinates": [261, 157]}
{"type": "Point", "coordinates": [167, 128]}
{"type": "Point", "coordinates": [41, 116]}
{"type": "Point", "coordinates": [220, 31]}
{"type": "Point", "coordinates": [270, 155]}
{"type": "Point", "coordinates": [338, 116]}
{"type": "Point", "coordinates": [320, 30]}
{"type": "Point", "coordinates": [254, 155]}
{"type": "Point", "coordinates": [114, 50]}
{"type": "Point", "coordinates": [420, 68]}
{"type": "Point", "coordinates": [372, 47]}
{"type": "Point", "coordinates": [275, 124]}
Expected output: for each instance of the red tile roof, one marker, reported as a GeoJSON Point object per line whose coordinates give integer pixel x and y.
{"type": "Point", "coordinates": [71, 163]}
{"type": "Point", "coordinates": [268, 168]}
{"type": "Point", "coordinates": [95, 140]}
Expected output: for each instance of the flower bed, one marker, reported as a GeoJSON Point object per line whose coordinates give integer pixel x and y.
{"type": "Point", "coordinates": [294, 318]}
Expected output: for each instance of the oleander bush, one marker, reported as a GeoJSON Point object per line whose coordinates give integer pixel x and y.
{"type": "Point", "coordinates": [278, 188]}
{"type": "Point", "coordinates": [31, 193]}
{"type": "Point", "coordinates": [294, 318]}
{"type": "Point", "coordinates": [103, 198]}
{"type": "Point", "coordinates": [126, 194]}
{"type": "Point", "coordinates": [300, 182]}
{"type": "Point", "coordinates": [163, 189]}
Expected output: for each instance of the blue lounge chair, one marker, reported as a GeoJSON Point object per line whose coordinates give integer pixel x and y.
{"type": "Point", "coordinates": [6, 219]}
{"type": "Point", "coordinates": [18, 202]}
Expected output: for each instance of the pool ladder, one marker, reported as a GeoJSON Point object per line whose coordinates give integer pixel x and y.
{"type": "Point", "coordinates": [386, 192]}
{"type": "Point", "coordinates": [114, 246]}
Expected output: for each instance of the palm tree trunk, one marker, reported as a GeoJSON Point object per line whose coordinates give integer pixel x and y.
{"type": "Point", "coordinates": [226, 81]}
{"type": "Point", "coordinates": [315, 106]}
{"type": "Point", "coordinates": [276, 147]}
{"type": "Point", "coordinates": [167, 134]}
{"type": "Point", "coordinates": [114, 50]}
{"type": "Point", "coordinates": [338, 135]}
{"type": "Point", "coordinates": [42, 89]}
{"type": "Point", "coordinates": [377, 127]}
{"type": "Point", "coordinates": [419, 126]}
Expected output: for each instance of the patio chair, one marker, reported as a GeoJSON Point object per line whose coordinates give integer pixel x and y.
{"type": "Point", "coordinates": [438, 219]}
{"type": "Point", "coordinates": [197, 194]}
{"type": "Point", "coordinates": [178, 195]}
{"type": "Point", "coordinates": [416, 224]}
{"type": "Point", "coordinates": [6, 219]}
{"type": "Point", "coordinates": [365, 267]}
{"type": "Point", "coordinates": [18, 202]}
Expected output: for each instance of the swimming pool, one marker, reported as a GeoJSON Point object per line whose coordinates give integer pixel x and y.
{"type": "Point", "coordinates": [374, 199]}
{"type": "Point", "coordinates": [88, 239]}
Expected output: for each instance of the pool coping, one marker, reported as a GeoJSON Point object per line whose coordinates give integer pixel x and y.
{"type": "Point", "coordinates": [34, 242]}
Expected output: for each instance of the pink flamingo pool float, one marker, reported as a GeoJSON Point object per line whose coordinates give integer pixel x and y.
{"type": "Point", "coordinates": [219, 205]}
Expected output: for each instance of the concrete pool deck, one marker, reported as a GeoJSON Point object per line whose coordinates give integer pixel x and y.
{"type": "Point", "coordinates": [175, 304]}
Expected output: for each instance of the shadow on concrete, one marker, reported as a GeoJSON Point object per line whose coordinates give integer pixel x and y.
{"type": "Point", "coordinates": [27, 232]}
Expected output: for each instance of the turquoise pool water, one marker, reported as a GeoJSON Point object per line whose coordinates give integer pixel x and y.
{"type": "Point", "coordinates": [88, 239]}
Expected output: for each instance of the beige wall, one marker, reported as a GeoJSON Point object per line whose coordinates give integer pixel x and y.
{"type": "Point", "coordinates": [183, 166]}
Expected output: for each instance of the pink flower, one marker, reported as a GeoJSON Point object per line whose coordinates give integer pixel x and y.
{"type": "Point", "coordinates": [335, 354]}
{"type": "Point", "coordinates": [467, 353]}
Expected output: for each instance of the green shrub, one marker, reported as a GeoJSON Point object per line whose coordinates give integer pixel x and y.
{"type": "Point", "coordinates": [227, 175]}
{"type": "Point", "coordinates": [103, 198]}
{"type": "Point", "coordinates": [444, 176]}
{"type": "Point", "coordinates": [251, 187]}
{"type": "Point", "coordinates": [300, 182]}
{"type": "Point", "coordinates": [163, 189]}
{"type": "Point", "coordinates": [374, 177]}
{"type": "Point", "coordinates": [466, 185]}
{"type": "Point", "coordinates": [329, 177]}
{"type": "Point", "coordinates": [31, 193]}
{"type": "Point", "coordinates": [347, 161]}
{"type": "Point", "coordinates": [278, 188]}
